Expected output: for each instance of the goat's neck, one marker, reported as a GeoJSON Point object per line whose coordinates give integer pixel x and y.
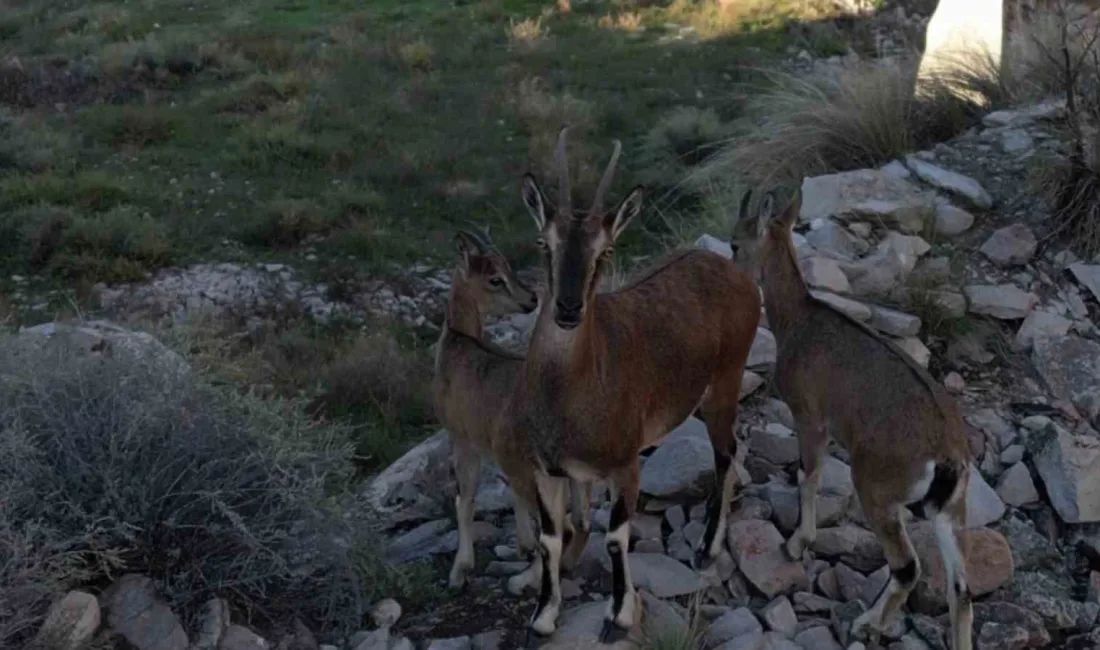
{"type": "Point", "coordinates": [463, 311]}
{"type": "Point", "coordinates": [786, 299]}
{"type": "Point", "coordinates": [556, 350]}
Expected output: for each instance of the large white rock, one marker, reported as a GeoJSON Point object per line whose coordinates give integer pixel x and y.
{"type": "Point", "coordinates": [887, 266]}
{"type": "Point", "coordinates": [1003, 301]}
{"type": "Point", "coordinates": [1041, 324]}
{"type": "Point", "coordinates": [1010, 246]}
{"type": "Point", "coordinates": [825, 273]}
{"type": "Point", "coordinates": [1015, 486]}
{"type": "Point", "coordinates": [952, 221]}
{"type": "Point", "coordinates": [100, 338]}
{"type": "Point", "coordinates": [831, 239]}
{"type": "Point", "coordinates": [866, 194]}
{"type": "Point", "coordinates": [385, 492]}
{"type": "Point", "coordinates": [734, 623]}
{"type": "Point", "coordinates": [757, 547]}
{"type": "Point", "coordinates": [763, 349]}
{"type": "Point", "coordinates": [853, 308]}
{"type": "Point", "coordinates": [916, 349]}
{"type": "Point", "coordinates": [1088, 275]}
{"type": "Point", "coordinates": [983, 505]}
{"type": "Point", "coordinates": [1069, 465]}
{"type": "Point", "coordinates": [683, 465]}
{"type": "Point", "coordinates": [1070, 365]}
{"type": "Point", "coordinates": [71, 622]}
{"type": "Point", "coordinates": [953, 182]}
{"type": "Point", "coordinates": [715, 245]}
{"type": "Point", "coordinates": [1048, 110]}
{"type": "Point", "coordinates": [663, 576]}
{"type": "Point", "coordinates": [894, 323]}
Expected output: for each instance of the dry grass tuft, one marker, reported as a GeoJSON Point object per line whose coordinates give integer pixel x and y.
{"type": "Point", "coordinates": [527, 33]}
{"type": "Point", "coordinates": [542, 113]}
{"type": "Point", "coordinates": [418, 55]}
{"type": "Point", "coordinates": [861, 117]}
{"type": "Point", "coordinates": [626, 21]}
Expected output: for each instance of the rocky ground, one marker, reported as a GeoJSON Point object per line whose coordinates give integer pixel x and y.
{"type": "Point", "coordinates": [954, 228]}
{"type": "Point", "coordinates": [939, 252]}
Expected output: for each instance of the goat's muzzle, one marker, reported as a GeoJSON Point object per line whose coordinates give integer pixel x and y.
{"type": "Point", "coordinates": [568, 315]}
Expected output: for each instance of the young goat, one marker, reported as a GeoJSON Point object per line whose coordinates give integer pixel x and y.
{"type": "Point", "coordinates": [473, 384]}
{"type": "Point", "coordinates": [905, 437]}
{"type": "Point", "coordinates": [610, 374]}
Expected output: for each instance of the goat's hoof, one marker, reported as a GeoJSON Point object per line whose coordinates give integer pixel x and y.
{"type": "Point", "coordinates": [793, 550]}
{"type": "Point", "coordinates": [611, 633]}
{"type": "Point", "coordinates": [458, 581]}
{"type": "Point", "coordinates": [534, 639]}
{"type": "Point", "coordinates": [702, 560]}
{"type": "Point", "coordinates": [864, 632]}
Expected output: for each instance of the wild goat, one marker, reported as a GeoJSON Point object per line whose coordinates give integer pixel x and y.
{"type": "Point", "coordinates": [609, 374]}
{"type": "Point", "coordinates": [903, 433]}
{"type": "Point", "coordinates": [472, 386]}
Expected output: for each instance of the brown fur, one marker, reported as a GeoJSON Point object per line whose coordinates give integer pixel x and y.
{"type": "Point", "coordinates": [609, 374]}
{"type": "Point", "coordinates": [841, 378]}
{"type": "Point", "coordinates": [472, 389]}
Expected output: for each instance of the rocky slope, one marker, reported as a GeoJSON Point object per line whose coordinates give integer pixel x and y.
{"type": "Point", "coordinates": [939, 251]}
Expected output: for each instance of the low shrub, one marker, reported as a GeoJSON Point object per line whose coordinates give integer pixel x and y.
{"type": "Point", "coordinates": [113, 465]}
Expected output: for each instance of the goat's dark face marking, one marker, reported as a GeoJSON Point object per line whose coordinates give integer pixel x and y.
{"type": "Point", "coordinates": [576, 244]}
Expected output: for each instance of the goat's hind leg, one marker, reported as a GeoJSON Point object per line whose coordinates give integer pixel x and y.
{"type": "Point", "coordinates": [526, 495]}
{"type": "Point", "coordinates": [904, 572]}
{"type": "Point", "coordinates": [719, 410]}
{"type": "Point", "coordinates": [947, 524]}
{"type": "Point", "coordinates": [581, 518]}
{"type": "Point", "coordinates": [467, 469]}
{"type": "Point", "coordinates": [812, 442]}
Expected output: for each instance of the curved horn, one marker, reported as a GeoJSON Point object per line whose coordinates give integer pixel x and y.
{"type": "Point", "coordinates": [605, 182]}
{"type": "Point", "coordinates": [478, 235]}
{"type": "Point", "coordinates": [565, 204]}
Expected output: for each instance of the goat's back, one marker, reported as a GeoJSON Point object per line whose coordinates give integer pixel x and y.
{"type": "Point", "coordinates": [890, 414]}
{"type": "Point", "coordinates": [659, 343]}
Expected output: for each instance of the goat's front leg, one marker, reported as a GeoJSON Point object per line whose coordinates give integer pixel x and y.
{"type": "Point", "coordinates": [526, 494]}
{"type": "Point", "coordinates": [467, 468]}
{"type": "Point", "coordinates": [551, 502]}
{"type": "Point", "coordinates": [623, 609]}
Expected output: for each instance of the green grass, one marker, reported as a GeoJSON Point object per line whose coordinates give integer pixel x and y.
{"type": "Point", "coordinates": [280, 100]}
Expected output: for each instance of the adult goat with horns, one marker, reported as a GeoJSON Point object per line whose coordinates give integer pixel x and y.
{"type": "Point", "coordinates": [608, 374]}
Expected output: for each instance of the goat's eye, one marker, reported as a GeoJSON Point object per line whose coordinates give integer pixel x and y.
{"type": "Point", "coordinates": [541, 243]}
{"type": "Point", "coordinates": [496, 282]}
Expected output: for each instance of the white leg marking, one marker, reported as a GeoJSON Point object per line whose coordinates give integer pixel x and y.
{"type": "Point", "coordinates": [464, 558]}
{"type": "Point", "coordinates": [719, 540]}
{"type": "Point", "coordinates": [626, 616]}
{"type": "Point", "coordinates": [961, 613]}
{"type": "Point", "coordinates": [546, 620]}
{"type": "Point", "coordinates": [552, 493]}
{"type": "Point", "coordinates": [529, 577]}
{"type": "Point", "coordinates": [920, 488]}
{"type": "Point", "coordinates": [806, 532]}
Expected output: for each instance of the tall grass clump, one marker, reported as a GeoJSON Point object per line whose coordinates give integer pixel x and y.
{"type": "Point", "coordinates": [117, 464]}
{"type": "Point", "coordinates": [1070, 59]}
{"type": "Point", "coordinates": [858, 117]}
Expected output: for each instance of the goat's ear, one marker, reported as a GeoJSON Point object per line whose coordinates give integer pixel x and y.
{"type": "Point", "coordinates": [466, 246]}
{"type": "Point", "coordinates": [535, 201]}
{"type": "Point", "coordinates": [743, 212]}
{"type": "Point", "coordinates": [617, 221]}
{"type": "Point", "coordinates": [789, 217]}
